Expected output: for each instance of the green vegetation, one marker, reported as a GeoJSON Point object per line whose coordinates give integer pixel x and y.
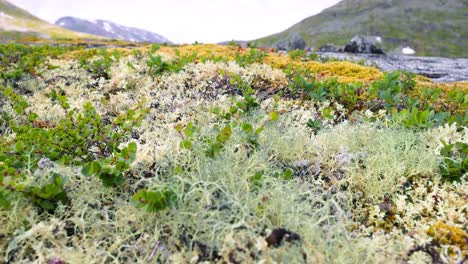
{"type": "Point", "coordinates": [100, 68]}
{"type": "Point", "coordinates": [254, 56]}
{"type": "Point", "coordinates": [18, 60]}
{"type": "Point", "coordinates": [158, 66]}
{"type": "Point", "coordinates": [10, 9]}
{"type": "Point", "coordinates": [183, 155]}
{"type": "Point", "coordinates": [455, 163]}
{"type": "Point", "coordinates": [81, 139]}
{"type": "Point", "coordinates": [393, 94]}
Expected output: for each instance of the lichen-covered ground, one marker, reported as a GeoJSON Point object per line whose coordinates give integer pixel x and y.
{"type": "Point", "coordinates": [243, 156]}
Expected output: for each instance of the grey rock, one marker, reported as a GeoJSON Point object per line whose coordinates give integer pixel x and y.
{"type": "Point", "coordinates": [363, 44]}
{"type": "Point", "coordinates": [293, 42]}
{"type": "Point", "coordinates": [45, 163]}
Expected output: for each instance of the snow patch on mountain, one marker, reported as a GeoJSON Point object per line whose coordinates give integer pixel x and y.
{"type": "Point", "coordinates": [107, 27]}
{"type": "Point", "coordinates": [110, 29]}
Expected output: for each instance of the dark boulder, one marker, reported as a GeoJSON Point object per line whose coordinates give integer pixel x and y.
{"type": "Point", "coordinates": [293, 42]}
{"type": "Point", "coordinates": [363, 44]}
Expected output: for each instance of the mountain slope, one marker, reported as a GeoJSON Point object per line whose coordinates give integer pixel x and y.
{"type": "Point", "coordinates": [431, 27]}
{"type": "Point", "coordinates": [12, 10]}
{"type": "Point", "coordinates": [110, 30]}
{"type": "Point", "coordinates": [16, 23]}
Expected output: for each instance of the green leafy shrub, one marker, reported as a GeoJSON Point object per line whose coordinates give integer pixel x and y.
{"type": "Point", "coordinates": [311, 89]}
{"type": "Point", "coordinates": [18, 60]}
{"type": "Point", "coordinates": [50, 195]}
{"type": "Point", "coordinates": [249, 101]}
{"type": "Point", "coordinates": [315, 125]}
{"type": "Point", "coordinates": [230, 123]}
{"type": "Point", "coordinates": [415, 118]}
{"type": "Point", "coordinates": [100, 67]}
{"type": "Point", "coordinates": [253, 56]}
{"type": "Point", "coordinates": [455, 161]}
{"type": "Point", "coordinates": [158, 66]}
{"type": "Point", "coordinates": [46, 196]}
{"type": "Point", "coordinates": [313, 57]}
{"type": "Point", "coordinates": [222, 136]}
{"type": "Point", "coordinates": [394, 93]}
{"type": "Point", "coordinates": [297, 54]}
{"type": "Point", "coordinates": [154, 201]}
{"type": "Point", "coordinates": [81, 139]}
{"type": "Point", "coordinates": [393, 88]}
{"type": "Point", "coordinates": [111, 170]}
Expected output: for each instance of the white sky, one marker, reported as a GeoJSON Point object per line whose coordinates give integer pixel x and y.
{"type": "Point", "coordinates": [187, 21]}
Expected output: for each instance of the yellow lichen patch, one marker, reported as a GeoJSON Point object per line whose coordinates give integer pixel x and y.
{"type": "Point", "coordinates": [346, 71]}
{"type": "Point", "coordinates": [281, 61]}
{"type": "Point", "coordinates": [228, 52]}
{"type": "Point", "coordinates": [449, 235]}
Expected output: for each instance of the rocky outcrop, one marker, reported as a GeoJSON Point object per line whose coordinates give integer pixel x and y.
{"type": "Point", "coordinates": [293, 42]}
{"type": "Point", "coordinates": [363, 44]}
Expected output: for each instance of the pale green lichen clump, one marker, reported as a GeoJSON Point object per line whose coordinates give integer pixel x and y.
{"type": "Point", "coordinates": [361, 189]}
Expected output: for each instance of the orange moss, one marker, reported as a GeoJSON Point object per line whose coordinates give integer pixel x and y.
{"type": "Point", "coordinates": [449, 235]}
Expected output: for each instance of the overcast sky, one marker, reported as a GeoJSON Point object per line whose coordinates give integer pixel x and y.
{"type": "Point", "coordinates": [187, 21]}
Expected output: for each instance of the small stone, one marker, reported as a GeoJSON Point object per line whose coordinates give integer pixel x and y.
{"type": "Point", "coordinates": [45, 163]}
{"type": "Point", "coordinates": [278, 235]}
{"type": "Point", "coordinates": [55, 260]}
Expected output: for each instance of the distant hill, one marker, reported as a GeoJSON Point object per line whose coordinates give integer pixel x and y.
{"type": "Point", "coordinates": [16, 23]}
{"type": "Point", "coordinates": [110, 29]}
{"type": "Point", "coordinates": [430, 27]}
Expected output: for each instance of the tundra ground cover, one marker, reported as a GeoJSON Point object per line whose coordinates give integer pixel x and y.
{"type": "Point", "coordinates": [217, 154]}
